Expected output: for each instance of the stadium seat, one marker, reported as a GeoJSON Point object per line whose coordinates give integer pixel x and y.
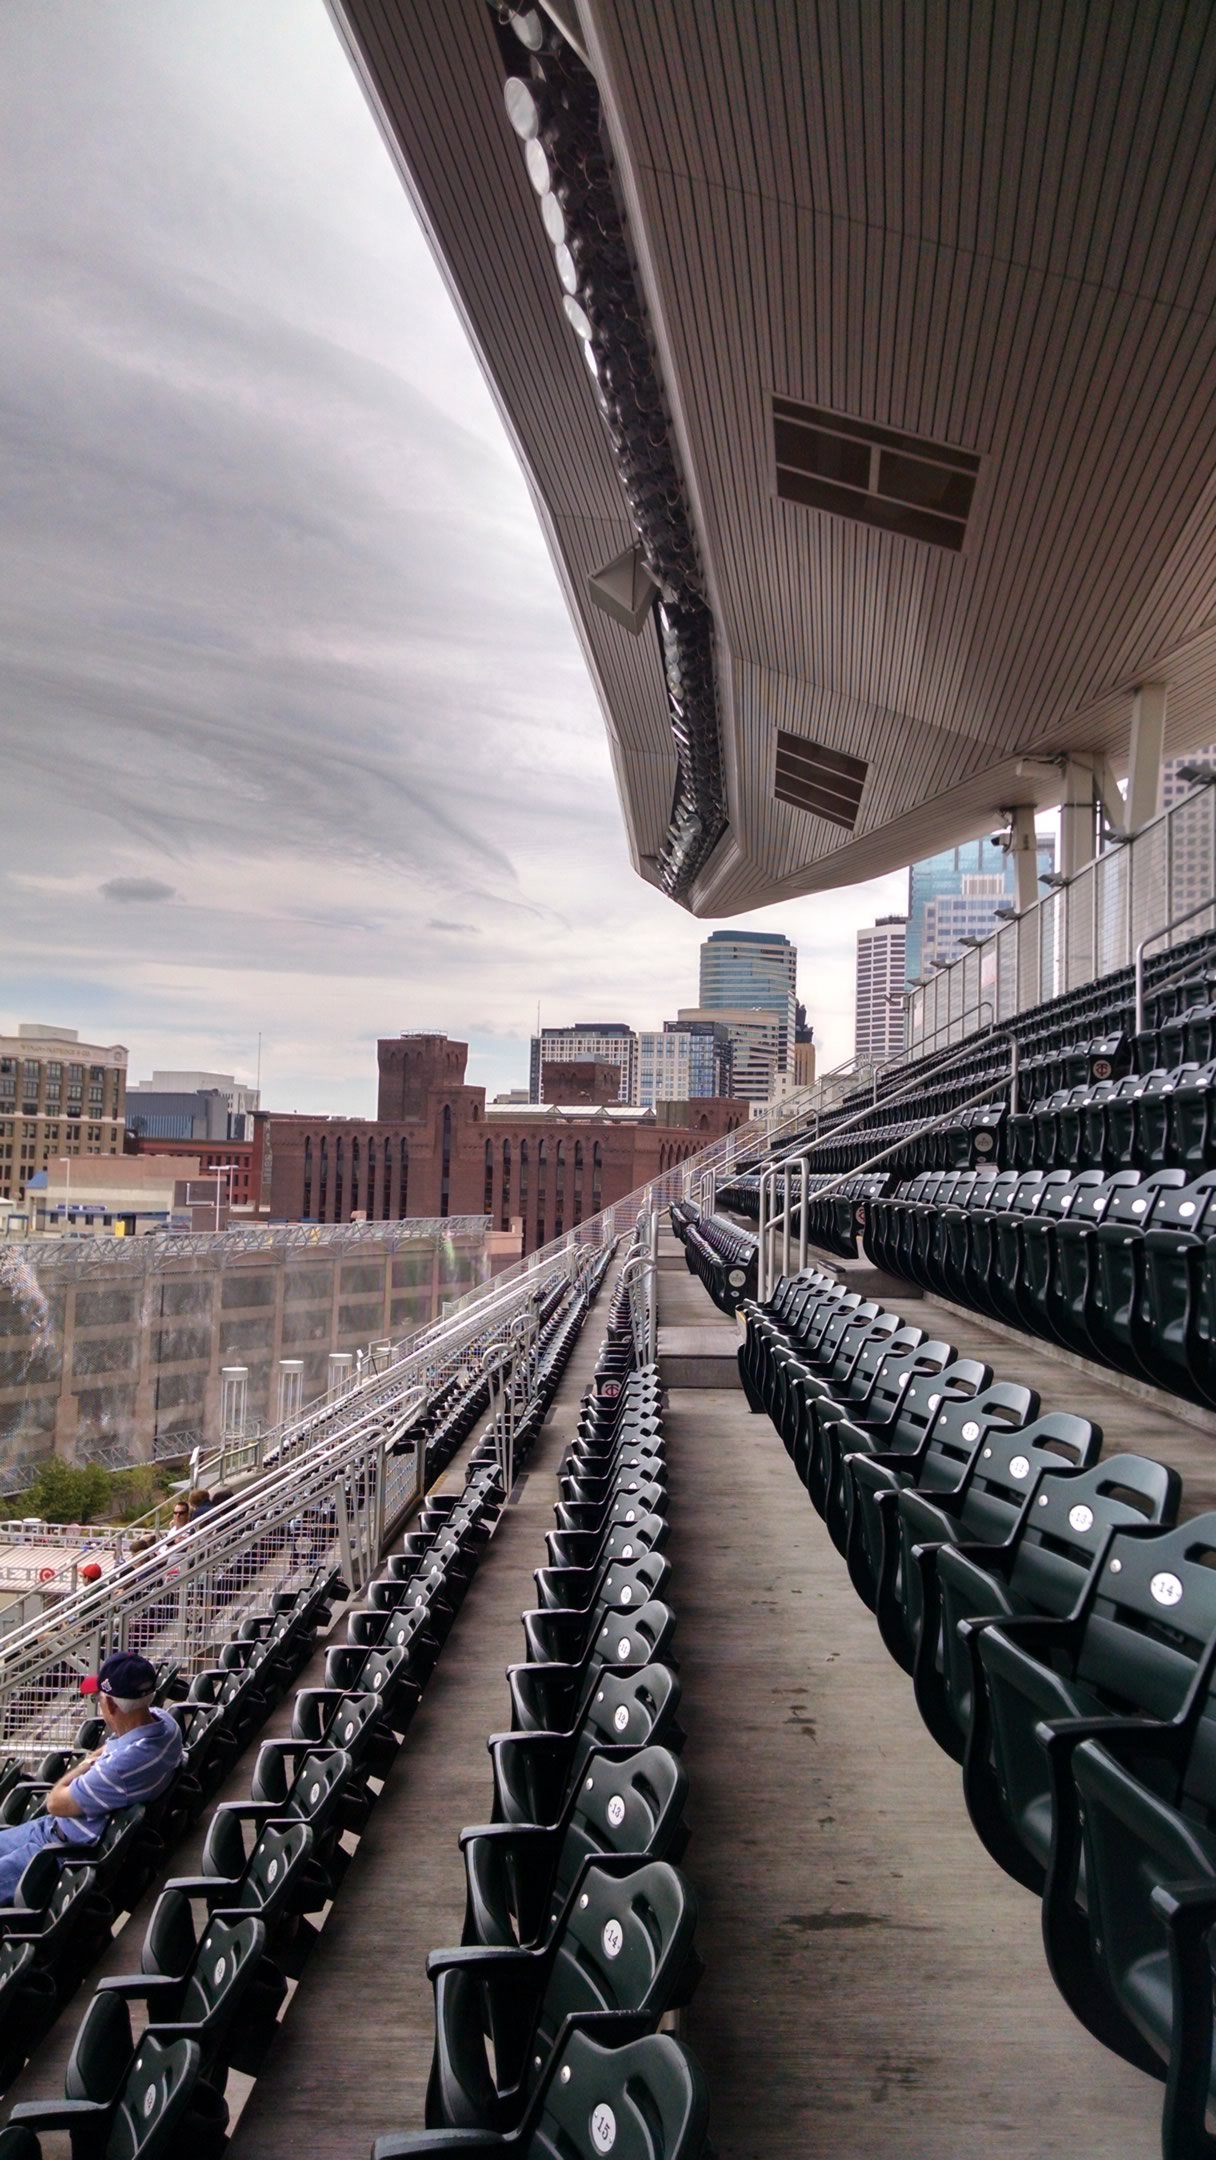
{"type": "Point", "coordinates": [520, 1878]}
{"type": "Point", "coordinates": [645, 2100]}
{"type": "Point", "coordinates": [625, 1947]}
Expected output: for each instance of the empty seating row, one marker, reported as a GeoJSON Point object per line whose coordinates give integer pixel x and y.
{"type": "Point", "coordinates": [214, 1987]}
{"type": "Point", "coordinates": [723, 1255]}
{"type": "Point", "coordinates": [1120, 1268]}
{"type": "Point", "coordinates": [1059, 1625]}
{"type": "Point", "coordinates": [579, 1927]}
{"type": "Point", "coordinates": [69, 1898]}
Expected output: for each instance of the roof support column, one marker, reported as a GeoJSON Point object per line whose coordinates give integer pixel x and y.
{"type": "Point", "coordinates": [1077, 824]}
{"type": "Point", "coordinates": [1146, 744]}
{"type": "Point", "coordinates": [1023, 847]}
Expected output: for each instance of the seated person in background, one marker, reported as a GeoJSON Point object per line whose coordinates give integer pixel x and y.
{"type": "Point", "coordinates": [135, 1762]}
{"type": "Point", "coordinates": [200, 1502]}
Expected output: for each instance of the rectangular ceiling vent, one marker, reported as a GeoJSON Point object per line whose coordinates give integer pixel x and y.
{"type": "Point", "coordinates": [900, 483]}
{"type": "Point", "coordinates": [828, 783]}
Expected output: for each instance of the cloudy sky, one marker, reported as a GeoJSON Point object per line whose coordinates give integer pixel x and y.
{"type": "Point", "coordinates": [292, 715]}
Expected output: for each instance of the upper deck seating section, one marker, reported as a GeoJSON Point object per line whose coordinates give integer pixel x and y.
{"type": "Point", "coordinates": [1060, 1629]}
{"type": "Point", "coordinates": [220, 1946]}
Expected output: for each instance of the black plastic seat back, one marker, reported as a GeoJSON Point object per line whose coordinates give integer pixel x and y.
{"type": "Point", "coordinates": [644, 2101]}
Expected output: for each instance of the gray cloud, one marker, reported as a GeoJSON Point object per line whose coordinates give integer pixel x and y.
{"type": "Point", "coordinates": [280, 638]}
{"type": "Point", "coordinates": [137, 888]}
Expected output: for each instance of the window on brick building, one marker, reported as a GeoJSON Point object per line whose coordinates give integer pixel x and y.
{"type": "Point", "coordinates": [403, 1188]}
{"type": "Point", "coordinates": [371, 1177]}
{"type": "Point", "coordinates": [597, 1179]}
{"type": "Point", "coordinates": [487, 1201]}
{"type": "Point", "coordinates": [445, 1167]}
{"type": "Point", "coordinates": [504, 1219]}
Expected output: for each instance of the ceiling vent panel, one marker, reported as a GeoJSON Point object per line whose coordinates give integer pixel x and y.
{"type": "Point", "coordinates": [898, 483]}
{"type": "Point", "coordinates": [828, 783]}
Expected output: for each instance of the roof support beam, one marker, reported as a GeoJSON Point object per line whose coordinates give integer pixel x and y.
{"type": "Point", "coordinates": [1023, 846]}
{"type": "Point", "coordinates": [1144, 755]}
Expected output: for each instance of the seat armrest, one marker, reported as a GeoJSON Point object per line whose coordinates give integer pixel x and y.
{"type": "Point", "coordinates": [517, 1833]}
{"type": "Point", "coordinates": [1147, 1736]}
{"type": "Point", "coordinates": [1185, 1908]}
{"type": "Point", "coordinates": [476, 1960]}
{"type": "Point", "coordinates": [436, 2144]}
{"type": "Point", "coordinates": [59, 2114]}
{"type": "Point", "coordinates": [1031, 1628]}
{"type": "Point", "coordinates": [136, 1987]}
{"type": "Point", "coordinates": [207, 1887]}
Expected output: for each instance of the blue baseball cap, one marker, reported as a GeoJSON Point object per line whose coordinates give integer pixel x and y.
{"type": "Point", "coordinates": [125, 1675]}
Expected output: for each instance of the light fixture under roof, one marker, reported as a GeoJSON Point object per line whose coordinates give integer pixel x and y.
{"type": "Point", "coordinates": [827, 783]}
{"type": "Point", "coordinates": [900, 483]}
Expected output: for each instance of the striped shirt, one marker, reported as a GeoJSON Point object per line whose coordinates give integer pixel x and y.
{"type": "Point", "coordinates": [134, 1766]}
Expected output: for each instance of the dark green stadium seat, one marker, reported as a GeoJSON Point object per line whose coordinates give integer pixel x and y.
{"type": "Point", "coordinates": [995, 1491]}
{"type": "Point", "coordinates": [1043, 1568]}
{"type": "Point", "coordinates": [956, 1434]}
{"type": "Point", "coordinates": [884, 1356]}
{"type": "Point", "coordinates": [644, 2100]}
{"type": "Point", "coordinates": [1135, 1814]}
{"type": "Point", "coordinates": [276, 1881]}
{"type": "Point", "coordinates": [390, 1673]}
{"type": "Point", "coordinates": [59, 1912]}
{"type": "Point", "coordinates": [197, 1990]}
{"type": "Point", "coordinates": [1119, 1258]}
{"type": "Point", "coordinates": [653, 1499]}
{"type": "Point", "coordinates": [550, 1693]}
{"type": "Point", "coordinates": [1133, 1646]}
{"type": "Point", "coordinates": [300, 1785]}
{"type": "Point", "coordinates": [1166, 1324]}
{"type": "Point", "coordinates": [1039, 1302]}
{"type": "Point", "coordinates": [534, 1772]}
{"type": "Point", "coordinates": [28, 2000]}
{"type": "Point", "coordinates": [136, 2108]}
{"type": "Point", "coordinates": [1191, 1121]}
{"type": "Point", "coordinates": [625, 1947]}
{"type": "Point", "coordinates": [520, 1877]}
{"type": "Point", "coordinates": [578, 1549]}
{"type": "Point", "coordinates": [618, 1583]}
{"type": "Point", "coordinates": [806, 1384]}
{"type": "Point", "coordinates": [841, 1335]}
{"type": "Point", "coordinates": [898, 1416]}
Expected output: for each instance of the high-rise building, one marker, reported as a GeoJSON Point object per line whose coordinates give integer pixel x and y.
{"type": "Point", "coordinates": [956, 894]}
{"type": "Point", "coordinates": [1191, 852]}
{"type": "Point", "coordinates": [602, 1042]}
{"type": "Point", "coordinates": [709, 1055]}
{"type": "Point", "coordinates": [752, 968]}
{"type": "Point", "coordinates": [757, 1042]}
{"type": "Point", "coordinates": [59, 1098]}
{"type": "Point", "coordinates": [664, 1066]}
{"type": "Point", "coordinates": [880, 1029]}
{"type": "Point", "coordinates": [192, 1106]}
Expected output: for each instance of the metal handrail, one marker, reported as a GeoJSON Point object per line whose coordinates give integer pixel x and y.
{"type": "Point", "coordinates": [914, 1087]}
{"type": "Point", "coordinates": [766, 1225]}
{"type": "Point", "coordinates": [1202, 907]}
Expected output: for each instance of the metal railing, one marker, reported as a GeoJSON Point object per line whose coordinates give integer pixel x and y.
{"type": "Point", "coordinates": [772, 1221]}
{"type": "Point", "coordinates": [1143, 888]}
{"type": "Point", "coordinates": [1203, 907]}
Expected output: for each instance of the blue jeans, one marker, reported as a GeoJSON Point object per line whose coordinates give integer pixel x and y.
{"type": "Point", "coordinates": [17, 1848]}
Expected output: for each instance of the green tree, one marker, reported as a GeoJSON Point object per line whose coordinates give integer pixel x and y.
{"type": "Point", "coordinates": [67, 1492]}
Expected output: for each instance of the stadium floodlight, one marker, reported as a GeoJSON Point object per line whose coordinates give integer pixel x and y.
{"type": "Point", "coordinates": [1198, 775]}
{"type": "Point", "coordinates": [1006, 912]}
{"type": "Point", "coordinates": [972, 943]}
{"type": "Point", "coordinates": [1056, 879]}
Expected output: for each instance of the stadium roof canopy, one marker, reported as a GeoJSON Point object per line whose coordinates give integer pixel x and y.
{"type": "Point", "coordinates": [903, 324]}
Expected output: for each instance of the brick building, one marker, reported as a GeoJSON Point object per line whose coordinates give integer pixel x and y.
{"type": "Point", "coordinates": [435, 1148]}
{"type": "Point", "coordinates": [237, 1163]}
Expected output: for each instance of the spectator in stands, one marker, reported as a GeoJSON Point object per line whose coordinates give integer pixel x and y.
{"type": "Point", "coordinates": [136, 1761]}
{"type": "Point", "coordinates": [180, 1518]}
{"type": "Point", "coordinates": [200, 1502]}
{"type": "Point", "coordinates": [90, 1573]}
{"type": "Point", "coordinates": [221, 1493]}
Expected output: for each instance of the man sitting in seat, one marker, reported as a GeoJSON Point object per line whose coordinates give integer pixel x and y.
{"type": "Point", "coordinates": [135, 1762]}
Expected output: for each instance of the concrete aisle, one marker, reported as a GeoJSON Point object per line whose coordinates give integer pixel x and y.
{"type": "Point", "coordinates": [873, 1982]}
